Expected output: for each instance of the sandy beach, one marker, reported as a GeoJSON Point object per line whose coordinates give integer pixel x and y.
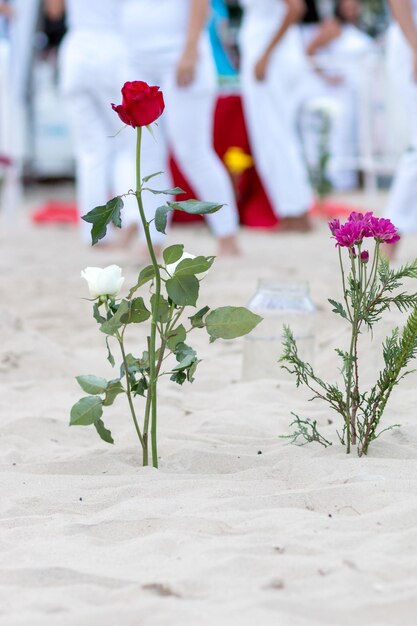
{"type": "Point", "coordinates": [237, 528]}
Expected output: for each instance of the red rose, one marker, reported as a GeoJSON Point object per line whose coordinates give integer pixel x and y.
{"type": "Point", "coordinates": [142, 104]}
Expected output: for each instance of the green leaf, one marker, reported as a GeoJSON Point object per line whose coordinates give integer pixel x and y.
{"type": "Point", "coordinates": [145, 179]}
{"type": "Point", "coordinates": [191, 371]}
{"type": "Point", "coordinates": [179, 377]}
{"type": "Point", "coordinates": [199, 265]}
{"type": "Point", "coordinates": [173, 253]}
{"type": "Point", "coordinates": [338, 308]}
{"type": "Point", "coordinates": [96, 313]}
{"type": "Point", "coordinates": [92, 384]}
{"type": "Point", "coordinates": [229, 322]}
{"type": "Point", "coordinates": [183, 289]}
{"type": "Point", "coordinates": [140, 386]}
{"type": "Point", "coordinates": [168, 192]}
{"type": "Point", "coordinates": [177, 336]}
{"type": "Point", "coordinates": [110, 357]}
{"type": "Point", "coordinates": [161, 218]}
{"type": "Point", "coordinates": [197, 320]}
{"type": "Point", "coordinates": [195, 207]}
{"type": "Point", "coordinates": [86, 411]}
{"type": "Point", "coordinates": [147, 274]}
{"type": "Point", "coordinates": [101, 216]}
{"type": "Point", "coordinates": [111, 326]}
{"type": "Point", "coordinates": [163, 308]}
{"type": "Point", "coordinates": [185, 355]}
{"type": "Point", "coordinates": [114, 388]}
{"type": "Point", "coordinates": [104, 433]}
{"type": "Point", "coordinates": [138, 312]}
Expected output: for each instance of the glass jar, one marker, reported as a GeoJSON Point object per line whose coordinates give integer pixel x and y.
{"type": "Point", "coordinates": [279, 304]}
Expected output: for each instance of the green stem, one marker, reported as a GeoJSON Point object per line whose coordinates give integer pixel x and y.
{"type": "Point", "coordinates": [155, 305]}
{"type": "Point", "coordinates": [129, 394]}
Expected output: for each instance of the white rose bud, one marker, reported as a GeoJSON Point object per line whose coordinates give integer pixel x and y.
{"type": "Point", "coordinates": [171, 267]}
{"type": "Point", "coordinates": [106, 281]}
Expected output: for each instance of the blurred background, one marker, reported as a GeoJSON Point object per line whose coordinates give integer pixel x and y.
{"type": "Point", "coordinates": [361, 149]}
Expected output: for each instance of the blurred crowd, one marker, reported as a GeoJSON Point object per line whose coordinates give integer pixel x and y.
{"type": "Point", "coordinates": [303, 69]}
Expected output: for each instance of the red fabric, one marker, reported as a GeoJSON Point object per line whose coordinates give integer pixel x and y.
{"type": "Point", "coordinates": [56, 212]}
{"type": "Point", "coordinates": [230, 130]}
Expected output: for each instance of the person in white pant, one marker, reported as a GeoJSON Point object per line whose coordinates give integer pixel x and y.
{"type": "Point", "coordinates": [168, 46]}
{"type": "Point", "coordinates": [91, 62]}
{"type": "Point", "coordinates": [273, 68]}
{"type": "Point", "coordinates": [402, 60]}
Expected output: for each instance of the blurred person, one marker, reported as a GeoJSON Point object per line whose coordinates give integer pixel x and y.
{"type": "Point", "coordinates": [91, 61]}
{"type": "Point", "coordinates": [217, 28]}
{"type": "Point", "coordinates": [168, 45]}
{"type": "Point", "coordinates": [6, 13]}
{"type": "Point", "coordinates": [336, 47]}
{"type": "Point", "coordinates": [402, 64]}
{"type": "Point", "coordinates": [273, 67]}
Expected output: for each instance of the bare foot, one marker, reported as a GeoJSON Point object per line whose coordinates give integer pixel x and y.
{"type": "Point", "coordinates": [298, 224]}
{"type": "Point", "coordinates": [228, 246]}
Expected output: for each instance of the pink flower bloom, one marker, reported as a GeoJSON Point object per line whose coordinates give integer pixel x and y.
{"type": "Point", "coordinates": [349, 234]}
{"type": "Point", "coordinates": [364, 219]}
{"type": "Point", "coordinates": [334, 225]}
{"type": "Point", "coordinates": [384, 230]}
{"type": "Point", "coordinates": [365, 256]}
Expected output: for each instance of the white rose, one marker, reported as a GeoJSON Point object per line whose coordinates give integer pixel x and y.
{"type": "Point", "coordinates": [106, 281]}
{"type": "Point", "coordinates": [324, 105]}
{"type": "Point", "coordinates": [171, 267]}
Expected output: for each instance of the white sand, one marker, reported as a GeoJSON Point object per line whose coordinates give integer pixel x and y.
{"type": "Point", "coordinates": [220, 535]}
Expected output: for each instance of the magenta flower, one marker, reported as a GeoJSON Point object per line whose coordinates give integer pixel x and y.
{"type": "Point", "coordinates": [364, 219]}
{"type": "Point", "coordinates": [349, 234]}
{"type": "Point", "coordinates": [384, 230]}
{"type": "Point", "coordinates": [334, 225]}
{"type": "Point", "coordinates": [365, 256]}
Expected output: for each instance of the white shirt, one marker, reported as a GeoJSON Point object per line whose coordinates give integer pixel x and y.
{"type": "Point", "coordinates": [93, 15]}
{"type": "Point", "coordinates": [159, 25]}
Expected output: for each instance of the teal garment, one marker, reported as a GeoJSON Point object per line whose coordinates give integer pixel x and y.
{"type": "Point", "coordinates": [219, 13]}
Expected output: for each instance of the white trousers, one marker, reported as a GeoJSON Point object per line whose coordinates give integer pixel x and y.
{"type": "Point", "coordinates": [91, 65]}
{"type": "Point", "coordinates": [270, 109]}
{"type": "Point", "coordinates": [186, 129]}
{"type": "Point", "coordinates": [402, 204]}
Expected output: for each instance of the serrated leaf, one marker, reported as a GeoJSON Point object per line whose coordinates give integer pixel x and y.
{"type": "Point", "coordinates": [229, 322]}
{"type": "Point", "coordinates": [161, 218]}
{"type": "Point", "coordinates": [197, 320]}
{"type": "Point", "coordinates": [97, 315]}
{"type": "Point", "coordinates": [163, 308]}
{"type": "Point", "coordinates": [101, 216]}
{"type": "Point", "coordinates": [199, 265]}
{"type": "Point", "coordinates": [138, 312]}
{"type": "Point", "coordinates": [179, 377]}
{"type": "Point", "coordinates": [168, 192]}
{"type": "Point", "coordinates": [195, 207]}
{"type": "Point", "coordinates": [173, 253]}
{"type": "Point", "coordinates": [110, 356]}
{"type": "Point", "coordinates": [146, 179]}
{"type": "Point", "coordinates": [145, 275]}
{"type": "Point", "coordinates": [104, 433]}
{"type": "Point", "coordinates": [86, 411]}
{"type": "Point", "coordinates": [111, 326]}
{"type": "Point", "coordinates": [92, 384]}
{"type": "Point", "coordinates": [177, 336]}
{"type": "Point", "coordinates": [183, 289]}
{"type": "Point", "coordinates": [114, 388]}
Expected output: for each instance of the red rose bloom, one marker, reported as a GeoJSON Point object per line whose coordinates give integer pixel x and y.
{"type": "Point", "coordinates": [142, 104]}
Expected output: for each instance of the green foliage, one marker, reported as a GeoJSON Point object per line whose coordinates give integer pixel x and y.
{"type": "Point", "coordinates": [103, 432]}
{"type": "Point", "coordinates": [366, 297]}
{"type": "Point", "coordinates": [173, 253]}
{"type": "Point", "coordinates": [92, 384]}
{"type": "Point", "coordinates": [197, 320]}
{"type": "Point", "coordinates": [113, 389]}
{"type": "Point", "coordinates": [86, 411]}
{"type": "Point", "coordinates": [102, 216]}
{"type": "Point", "coordinates": [161, 218]}
{"type": "Point", "coordinates": [199, 265]}
{"type": "Point", "coordinates": [229, 322]}
{"type": "Point", "coordinates": [305, 431]}
{"type": "Point", "coordinates": [183, 289]}
{"type": "Point", "coordinates": [195, 207]}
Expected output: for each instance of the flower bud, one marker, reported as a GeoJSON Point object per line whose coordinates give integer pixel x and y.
{"type": "Point", "coordinates": [365, 257]}
{"type": "Point", "coordinates": [103, 282]}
